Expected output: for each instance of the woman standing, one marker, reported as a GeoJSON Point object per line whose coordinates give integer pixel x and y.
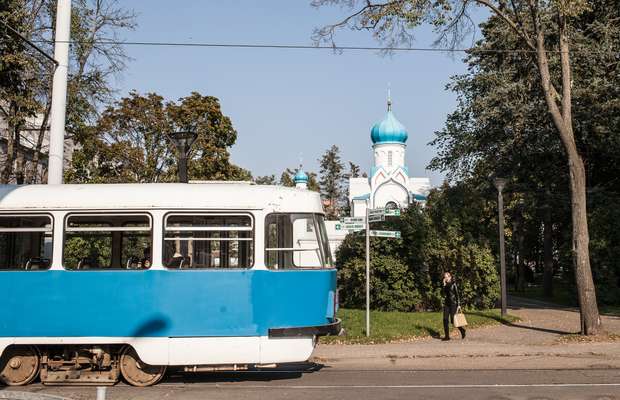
{"type": "Point", "coordinates": [451, 304]}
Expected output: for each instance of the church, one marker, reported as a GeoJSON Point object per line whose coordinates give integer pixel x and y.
{"type": "Point", "coordinates": [388, 184]}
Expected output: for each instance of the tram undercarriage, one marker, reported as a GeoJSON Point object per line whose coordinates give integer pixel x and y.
{"type": "Point", "coordinates": [76, 365]}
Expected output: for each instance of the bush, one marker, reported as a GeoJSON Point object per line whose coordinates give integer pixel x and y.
{"type": "Point", "coordinates": [392, 284]}
{"type": "Point", "coordinates": [406, 273]}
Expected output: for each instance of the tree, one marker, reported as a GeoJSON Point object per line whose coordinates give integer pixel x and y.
{"type": "Point", "coordinates": [542, 29]}
{"type": "Point", "coordinates": [354, 171]}
{"type": "Point", "coordinates": [95, 57]}
{"type": "Point", "coordinates": [287, 179]}
{"type": "Point", "coordinates": [332, 182]}
{"type": "Point", "coordinates": [129, 142]}
{"type": "Point", "coordinates": [407, 272]}
{"type": "Point", "coordinates": [17, 97]}
{"type": "Point", "coordinates": [265, 180]}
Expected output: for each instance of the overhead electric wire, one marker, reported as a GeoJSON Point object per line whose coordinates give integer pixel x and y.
{"type": "Point", "coordinates": [30, 43]}
{"type": "Point", "coordinates": [318, 47]}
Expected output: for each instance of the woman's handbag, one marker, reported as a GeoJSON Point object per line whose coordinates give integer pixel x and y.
{"type": "Point", "coordinates": [459, 318]}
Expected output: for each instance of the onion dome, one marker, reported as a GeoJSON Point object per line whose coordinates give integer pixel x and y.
{"type": "Point", "coordinates": [389, 130]}
{"type": "Point", "coordinates": [300, 177]}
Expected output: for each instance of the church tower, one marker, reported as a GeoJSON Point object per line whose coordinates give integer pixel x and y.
{"type": "Point", "coordinates": [388, 184]}
{"type": "Point", "coordinates": [389, 139]}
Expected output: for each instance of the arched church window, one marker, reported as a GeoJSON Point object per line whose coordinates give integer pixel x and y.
{"type": "Point", "coordinates": [389, 158]}
{"type": "Point", "coordinates": [391, 205]}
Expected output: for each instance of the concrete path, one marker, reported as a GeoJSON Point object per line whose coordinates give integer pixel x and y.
{"type": "Point", "coordinates": [539, 340]}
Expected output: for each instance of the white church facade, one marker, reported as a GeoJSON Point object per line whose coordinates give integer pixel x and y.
{"type": "Point", "coordinates": [388, 184]}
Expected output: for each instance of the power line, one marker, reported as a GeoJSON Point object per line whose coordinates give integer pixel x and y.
{"type": "Point", "coordinates": [30, 43]}
{"type": "Point", "coordinates": [316, 47]}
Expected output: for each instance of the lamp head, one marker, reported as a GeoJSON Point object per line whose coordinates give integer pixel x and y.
{"type": "Point", "coordinates": [500, 183]}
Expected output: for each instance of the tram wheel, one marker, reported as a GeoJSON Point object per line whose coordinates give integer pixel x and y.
{"type": "Point", "coordinates": [136, 372]}
{"type": "Point", "coordinates": [19, 365]}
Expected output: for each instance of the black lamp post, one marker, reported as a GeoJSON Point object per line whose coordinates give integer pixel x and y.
{"type": "Point", "coordinates": [500, 184]}
{"type": "Point", "coordinates": [183, 142]}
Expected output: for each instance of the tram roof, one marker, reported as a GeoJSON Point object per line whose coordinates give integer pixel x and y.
{"type": "Point", "coordinates": [217, 196]}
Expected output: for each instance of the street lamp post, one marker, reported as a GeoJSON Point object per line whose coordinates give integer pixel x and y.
{"type": "Point", "coordinates": [183, 142]}
{"type": "Point", "coordinates": [500, 184]}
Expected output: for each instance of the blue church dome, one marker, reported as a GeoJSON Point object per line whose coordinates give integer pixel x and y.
{"type": "Point", "coordinates": [389, 130]}
{"type": "Point", "coordinates": [300, 176]}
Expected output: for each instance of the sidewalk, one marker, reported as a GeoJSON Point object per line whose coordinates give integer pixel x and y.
{"type": "Point", "coordinates": [537, 341]}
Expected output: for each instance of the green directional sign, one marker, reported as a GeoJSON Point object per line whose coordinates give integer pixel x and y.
{"type": "Point", "coordinates": [376, 211]}
{"type": "Point", "coordinates": [352, 220]}
{"type": "Point", "coordinates": [393, 213]}
{"type": "Point", "coordinates": [353, 227]}
{"type": "Point", "coordinates": [350, 226]}
{"type": "Point", "coordinates": [376, 218]}
{"type": "Point", "coordinates": [386, 234]}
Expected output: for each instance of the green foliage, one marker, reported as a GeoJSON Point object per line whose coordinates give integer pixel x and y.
{"type": "Point", "coordinates": [129, 142]}
{"type": "Point", "coordinates": [287, 179]}
{"type": "Point", "coordinates": [265, 180]}
{"type": "Point", "coordinates": [406, 273]}
{"type": "Point", "coordinates": [25, 75]}
{"type": "Point", "coordinates": [332, 182]}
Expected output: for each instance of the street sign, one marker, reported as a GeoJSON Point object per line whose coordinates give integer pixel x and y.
{"type": "Point", "coordinates": [350, 227]}
{"type": "Point", "coordinates": [352, 220]}
{"type": "Point", "coordinates": [376, 211]}
{"type": "Point", "coordinates": [393, 213]}
{"type": "Point", "coordinates": [386, 234]}
{"type": "Point", "coordinates": [376, 218]}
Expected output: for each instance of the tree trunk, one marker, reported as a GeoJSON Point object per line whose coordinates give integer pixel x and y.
{"type": "Point", "coordinates": [590, 319]}
{"type": "Point", "coordinates": [31, 173]}
{"type": "Point", "coordinates": [562, 119]}
{"type": "Point", "coordinates": [7, 171]}
{"type": "Point", "coordinates": [548, 254]}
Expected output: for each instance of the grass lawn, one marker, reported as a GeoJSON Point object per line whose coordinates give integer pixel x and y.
{"type": "Point", "coordinates": [388, 327]}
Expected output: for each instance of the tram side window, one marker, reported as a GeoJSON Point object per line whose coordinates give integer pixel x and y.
{"type": "Point", "coordinates": [295, 241]}
{"type": "Point", "coordinates": [25, 242]}
{"type": "Point", "coordinates": [195, 241]}
{"type": "Point", "coordinates": [108, 241]}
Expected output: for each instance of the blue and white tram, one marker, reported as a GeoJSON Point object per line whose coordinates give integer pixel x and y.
{"type": "Point", "coordinates": [100, 281]}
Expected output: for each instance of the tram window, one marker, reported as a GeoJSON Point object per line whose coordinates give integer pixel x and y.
{"type": "Point", "coordinates": [296, 241]}
{"type": "Point", "coordinates": [194, 241]}
{"type": "Point", "coordinates": [25, 242]}
{"type": "Point", "coordinates": [108, 241]}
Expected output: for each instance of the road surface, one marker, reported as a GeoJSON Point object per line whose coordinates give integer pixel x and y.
{"type": "Point", "coordinates": [314, 381]}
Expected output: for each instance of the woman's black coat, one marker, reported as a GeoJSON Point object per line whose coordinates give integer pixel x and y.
{"type": "Point", "coordinates": [451, 296]}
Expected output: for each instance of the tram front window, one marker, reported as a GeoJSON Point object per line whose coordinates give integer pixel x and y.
{"type": "Point", "coordinates": [296, 241]}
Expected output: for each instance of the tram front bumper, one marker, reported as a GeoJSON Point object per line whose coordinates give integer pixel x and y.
{"type": "Point", "coordinates": [333, 328]}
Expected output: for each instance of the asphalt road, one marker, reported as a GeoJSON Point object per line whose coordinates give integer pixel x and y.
{"type": "Point", "coordinates": [324, 383]}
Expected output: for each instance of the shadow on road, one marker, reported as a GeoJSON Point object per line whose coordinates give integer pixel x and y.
{"type": "Point", "coordinates": [281, 372]}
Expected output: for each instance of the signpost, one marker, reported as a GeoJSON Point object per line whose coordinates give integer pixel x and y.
{"type": "Point", "coordinates": [386, 234]}
{"type": "Point", "coordinates": [353, 220]}
{"type": "Point", "coordinates": [373, 215]}
{"type": "Point", "coordinates": [353, 226]}
{"type": "Point", "coordinates": [395, 212]}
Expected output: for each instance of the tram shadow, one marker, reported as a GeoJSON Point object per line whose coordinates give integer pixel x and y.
{"type": "Point", "coordinates": [281, 372]}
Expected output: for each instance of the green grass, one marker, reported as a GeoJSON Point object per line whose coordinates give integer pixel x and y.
{"type": "Point", "coordinates": [388, 327]}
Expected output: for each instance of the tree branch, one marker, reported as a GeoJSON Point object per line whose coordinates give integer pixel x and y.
{"type": "Point", "coordinates": [509, 21]}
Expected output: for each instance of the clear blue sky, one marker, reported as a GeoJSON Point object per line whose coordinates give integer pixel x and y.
{"type": "Point", "coordinates": [284, 103]}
